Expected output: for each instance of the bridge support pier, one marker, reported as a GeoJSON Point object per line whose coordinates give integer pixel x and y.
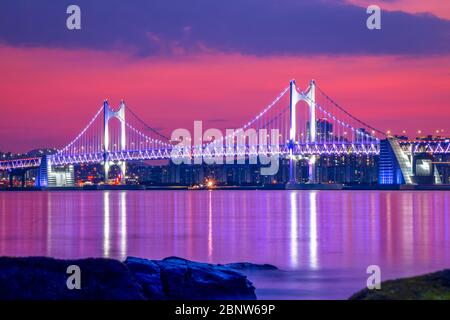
{"type": "Point", "coordinates": [292, 169]}
{"type": "Point", "coordinates": [106, 170]}
{"type": "Point", "coordinates": [123, 167]}
{"type": "Point", "coordinates": [312, 169]}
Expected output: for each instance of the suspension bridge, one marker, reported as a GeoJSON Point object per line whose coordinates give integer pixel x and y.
{"type": "Point", "coordinates": [309, 124]}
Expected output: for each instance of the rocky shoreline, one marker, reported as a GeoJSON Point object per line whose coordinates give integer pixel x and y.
{"type": "Point", "coordinates": [172, 278]}
{"type": "Point", "coordinates": [432, 286]}
{"type": "Point", "coordinates": [42, 278]}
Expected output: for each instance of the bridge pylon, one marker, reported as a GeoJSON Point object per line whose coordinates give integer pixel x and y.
{"type": "Point", "coordinates": [109, 114]}
{"type": "Point", "coordinates": [310, 98]}
{"type": "Point", "coordinates": [294, 98]}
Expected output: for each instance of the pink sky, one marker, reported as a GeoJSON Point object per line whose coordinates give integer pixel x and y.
{"type": "Point", "coordinates": [48, 95]}
{"type": "Point", "coordinates": [440, 8]}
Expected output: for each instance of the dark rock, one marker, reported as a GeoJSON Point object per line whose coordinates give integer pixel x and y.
{"type": "Point", "coordinates": [433, 286]}
{"type": "Point", "coordinates": [184, 279]}
{"type": "Point", "coordinates": [246, 266]}
{"type": "Point", "coordinates": [148, 274]}
{"type": "Point", "coordinates": [39, 278]}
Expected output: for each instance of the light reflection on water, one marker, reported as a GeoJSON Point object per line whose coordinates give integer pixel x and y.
{"type": "Point", "coordinates": [322, 240]}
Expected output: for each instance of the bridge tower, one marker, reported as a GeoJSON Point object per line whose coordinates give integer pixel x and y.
{"type": "Point", "coordinates": [310, 99]}
{"type": "Point", "coordinates": [294, 98]}
{"type": "Point", "coordinates": [109, 114]}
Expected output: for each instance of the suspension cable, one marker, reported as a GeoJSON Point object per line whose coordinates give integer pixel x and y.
{"type": "Point", "coordinates": [347, 113]}
{"type": "Point", "coordinates": [146, 125]}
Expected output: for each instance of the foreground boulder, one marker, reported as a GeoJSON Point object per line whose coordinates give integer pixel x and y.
{"type": "Point", "coordinates": [245, 266]}
{"type": "Point", "coordinates": [175, 278]}
{"type": "Point", "coordinates": [433, 286]}
{"type": "Point", "coordinates": [40, 278]}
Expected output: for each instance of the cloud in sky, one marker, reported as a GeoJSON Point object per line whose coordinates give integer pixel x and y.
{"type": "Point", "coordinates": [250, 27]}
{"type": "Point", "coordinates": [438, 8]}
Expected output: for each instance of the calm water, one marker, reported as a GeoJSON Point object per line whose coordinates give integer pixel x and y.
{"type": "Point", "coordinates": [322, 240]}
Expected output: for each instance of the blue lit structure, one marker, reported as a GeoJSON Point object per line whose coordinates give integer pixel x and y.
{"type": "Point", "coordinates": [389, 171]}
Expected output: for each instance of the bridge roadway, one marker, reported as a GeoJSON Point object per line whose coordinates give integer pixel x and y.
{"type": "Point", "coordinates": [305, 149]}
